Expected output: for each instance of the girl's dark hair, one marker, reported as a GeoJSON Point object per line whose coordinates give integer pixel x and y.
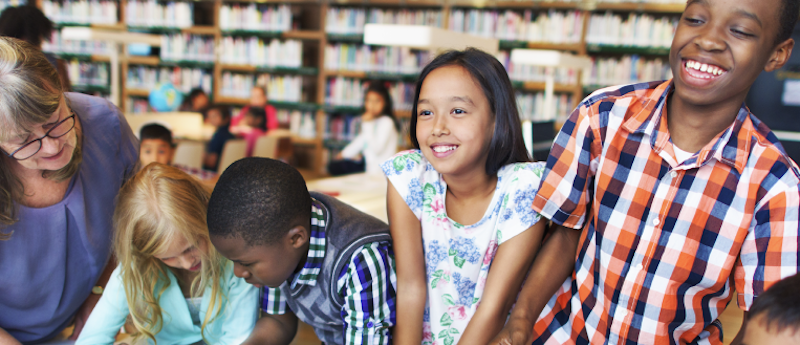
{"type": "Point", "coordinates": [388, 106]}
{"type": "Point", "coordinates": [507, 145]}
{"type": "Point", "coordinates": [193, 94]}
{"type": "Point", "coordinates": [27, 23]}
{"type": "Point", "coordinates": [260, 114]}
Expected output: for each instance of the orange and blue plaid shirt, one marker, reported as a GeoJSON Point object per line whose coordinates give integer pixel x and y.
{"type": "Point", "coordinates": [663, 242]}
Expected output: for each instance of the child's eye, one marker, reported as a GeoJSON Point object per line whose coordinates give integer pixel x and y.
{"type": "Point", "coordinates": [459, 111]}
{"type": "Point", "coordinates": [425, 113]}
{"type": "Point", "coordinates": [741, 33]}
{"type": "Point", "coordinates": [692, 21]}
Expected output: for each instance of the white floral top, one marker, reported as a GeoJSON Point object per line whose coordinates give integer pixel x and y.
{"type": "Point", "coordinates": [458, 257]}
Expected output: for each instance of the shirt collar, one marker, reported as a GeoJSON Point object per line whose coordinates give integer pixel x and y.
{"type": "Point", "coordinates": [731, 147]}
{"type": "Point", "coordinates": [316, 249]}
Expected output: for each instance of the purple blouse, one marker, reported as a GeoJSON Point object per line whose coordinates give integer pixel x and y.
{"type": "Point", "coordinates": [57, 253]}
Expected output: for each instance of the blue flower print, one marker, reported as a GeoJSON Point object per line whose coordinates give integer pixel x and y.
{"type": "Point", "coordinates": [523, 201]}
{"type": "Point", "coordinates": [435, 254]}
{"type": "Point", "coordinates": [426, 315]}
{"type": "Point", "coordinates": [415, 196]}
{"type": "Point", "coordinates": [466, 249]}
{"type": "Point", "coordinates": [466, 289]}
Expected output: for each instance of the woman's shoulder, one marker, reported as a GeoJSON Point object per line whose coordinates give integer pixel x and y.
{"type": "Point", "coordinates": [94, 112]}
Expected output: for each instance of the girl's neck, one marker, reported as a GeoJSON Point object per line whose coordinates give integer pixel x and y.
{"type": "Point", "coordinates": [471, 185]}
{"type": "Point", "coordinates": [185, 279]}
{"type": "Point", "coordinates": [370, 117]}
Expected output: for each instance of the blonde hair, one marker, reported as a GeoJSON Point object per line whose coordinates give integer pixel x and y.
{"type": "Point", "coordinates": [156, 206]}
{"type": "Point", "coordinates": [31, 94]}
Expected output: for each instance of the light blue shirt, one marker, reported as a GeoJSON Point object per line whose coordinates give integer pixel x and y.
{"type": "Point", "coordinates": [232, 326]}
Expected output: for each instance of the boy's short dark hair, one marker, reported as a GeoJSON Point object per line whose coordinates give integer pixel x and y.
{"type": "Point", "coordinates": [789, 12]}
{"type": "Point", "coordinates": [258, 200]}
{"type": "Point", "coordinates": [780, 305]}
{"type": "Point", "coordinates": [155, 131]}
{"type": "Point", "coordinates": [224, 111]}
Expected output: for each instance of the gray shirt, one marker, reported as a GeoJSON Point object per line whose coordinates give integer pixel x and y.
{"type": "Point", "coordinates": [56, 253]}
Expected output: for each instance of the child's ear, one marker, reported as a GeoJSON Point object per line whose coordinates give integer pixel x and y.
{"type": "Point", "coordinates": [298, 236]}
{"type": "Point", "coordinates": [780, 55]}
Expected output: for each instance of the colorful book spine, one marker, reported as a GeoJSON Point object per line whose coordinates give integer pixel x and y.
{"type": "Point", "coordinates": [280, 88]}
{"type": "Point", "coordinates": [351, 21]}
{"type": "Point", "coordinates": [81, 11]}
{"type": "Point", "coordinates": [349, 92]}
{"type": "Point", "coordinates": [88, 73]}
{"type": "Point", "coordinates": [638, 30]}
{"type": "Point", "coordinates": [342, 127]}
{"type": "Point", "coordinates": [361, 57]}
{"type": "Point", "coordinates": [255, 17]}
{"type": "Point", "coordinates": [560, 27]}
{"type": "Point", "coordinates": [58, 46]}
{"type": "Point", "coordinates": [262, 53]}
{"type": "Point", "coordinates": [531, 106]}
{"type": "Point", "coordinates": [136, 105]}
{"type": "Point", "coordinates": [626, 70]}
{"type": "Point", "coordinates": [155, 14]}
{"type": "Point", "coordinates": [184, 79]}
{"type": "Point", "coordinates": [187, 47]}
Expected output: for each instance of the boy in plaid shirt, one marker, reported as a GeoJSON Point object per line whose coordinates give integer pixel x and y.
{"type": "Point", "coordinates": [682, 194]}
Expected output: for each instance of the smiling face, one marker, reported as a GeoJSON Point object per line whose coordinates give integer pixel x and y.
{"type": "Point", "coordinates": [55, 153]}
{"type": "Point", "coordinates": [181, 254]}
{"type": "Point", "coordinates": [262, 265]}
{"type": "Point", "coordinates": [721, 46]}
{"type": "Point", "coordinates": [454, 122]}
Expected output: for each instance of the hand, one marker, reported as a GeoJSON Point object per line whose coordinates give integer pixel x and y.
{"type": "Point", "coordinates": [339, 156]}
{"type": "Point", "coordinates": [83, 314]}
{"type": "Point", "coordinates": [516, 332]}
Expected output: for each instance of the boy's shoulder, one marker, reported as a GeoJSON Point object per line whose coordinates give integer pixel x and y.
{"type": "Point", "coordinates": [632, 98]}
{"type": "Point", "coordinates": [766, 150]}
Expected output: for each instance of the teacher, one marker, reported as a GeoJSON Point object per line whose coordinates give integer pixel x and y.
{"type": "Point", "coordinates": [64, 158]}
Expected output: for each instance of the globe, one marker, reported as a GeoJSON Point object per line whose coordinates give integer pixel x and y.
{"type": "Point", "coordinates": [165, 97]}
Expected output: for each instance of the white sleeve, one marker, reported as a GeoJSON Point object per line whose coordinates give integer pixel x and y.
{"type": "Point", "coordinates": [108, 315]}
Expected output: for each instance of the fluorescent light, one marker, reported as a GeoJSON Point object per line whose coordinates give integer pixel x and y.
{"type": "Point", "coordinates": [549, 58]}
{"type": "Point", "coordinates": [426, 37]}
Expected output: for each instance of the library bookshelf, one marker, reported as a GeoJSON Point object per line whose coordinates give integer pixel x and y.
{"type": "Point", "coordinates": [316, 61]}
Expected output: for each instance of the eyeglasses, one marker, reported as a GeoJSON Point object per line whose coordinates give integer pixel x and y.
{"type": "Point", "coordinates": [32, 147]}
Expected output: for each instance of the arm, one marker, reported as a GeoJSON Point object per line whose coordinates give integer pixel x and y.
{"type": "Point", "coordinates": [273, 329]}
{"type": "Point", "coordinates": [362, 324]}
{"type": "Point", "coordinates": [385, 137]}
{"type": "Point", "coordinates": [210, 159]}
{"type": "Point", "coordinates": [513, 258]}
{"type": "Point", "coordinates": [554, 264]}
{"type": "Point", "coordinates": [108, 315]}
{"type": "Point", "coordinates": [241, 310]}
{"type": "Point", "coordinates": [354, 147]}
{"type": "Point", "coordinates": [7, 339]}
{"type": "Point", "coordinates": [87, 307]}
{"type": "Point", "coordinates": [411, 293]}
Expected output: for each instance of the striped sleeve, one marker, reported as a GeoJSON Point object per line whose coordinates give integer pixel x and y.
{"type": "Point", "coordinates": [272, 301]}
{"type": "Point", "coordinates": [368, 285]}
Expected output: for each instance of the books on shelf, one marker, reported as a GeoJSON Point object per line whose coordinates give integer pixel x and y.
{"type": "Point", "coordinates": [282, 88]}
{"type": "Point", "coordinates": [262, 53]}
{"type": "Point", "coordinates": [638, 30]}
{"type": "Point", "coordinates": [61, 46]}
{"type": "Point", "coordinates": [187, 47]}
{"type": "Point", "coordinates": [536, 73]}
{"type": "Point", "coordinates": [184, 79]}
{"type": "Point", "coordinates": [351, 21]}
{"type": "Point", "coordinates": [81, 11]}
{"type": "Point", "coordinates": [626, 70]}
{"type": "Point", "coordinates": [255, 17]}
{"type": "Point", "coordinates": [560, 27]}
{"type": "Point", "coordinates": [301, 124]}
{"type": "Point", "coordinates": [531, 106]}
{"type": "Point", "coordinates": [157, 14]}
{"type": "Point", "coordinates": [136, 105]}
{"type": "Point", "coordinates": [342, 127]}
{"type": "Point", "coordinates": [361, 57]}
{"type": "Point", "coordinates": [348, 92]}
{"type": "Point", "coordinates": [88, 73]}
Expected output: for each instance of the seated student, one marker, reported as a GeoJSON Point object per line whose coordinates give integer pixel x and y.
{"type": "Point", "coordinates": [258, 99]}
{"type": "Point", "coordinates": [156, 145]}
{"type": "Point", "coordinates": [196, 101]}
{"type": "Point", "coordinates": [681, 193]}
{"type": "Point", "coordinates": [220, 117]}
{"type": "Point", "coordinates": [256, 126]}
{"type": "Point", "coordinates": [177, 288]}
{"type": "Point", "coordinates": [317, 258]}
{"type": "Point", "coordinates": [774, 317]}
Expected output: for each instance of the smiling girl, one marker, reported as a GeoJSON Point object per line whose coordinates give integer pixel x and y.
{"type": "Point", "coordinates": [174, 284]}
{"type": "Point", "coordinates": [460, 204]}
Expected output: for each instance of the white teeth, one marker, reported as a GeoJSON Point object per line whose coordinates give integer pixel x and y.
{"type": "Point", "coordinates": [703, 68]}
{"type": "Point", "coordinates": [441, 149]}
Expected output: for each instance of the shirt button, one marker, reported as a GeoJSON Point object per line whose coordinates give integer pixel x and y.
{"type": "Point", "coordinates": [369, 324]}
{"type": "Point", "coordinates": [673, 174]}
{"type": "Point", "coordinates": [656, 222]}
{"type": "Point", "coordinates": [639, 267]}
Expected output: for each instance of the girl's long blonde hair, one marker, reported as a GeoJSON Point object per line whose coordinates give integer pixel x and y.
{"type": "Point", "coordinates": [157, 206]}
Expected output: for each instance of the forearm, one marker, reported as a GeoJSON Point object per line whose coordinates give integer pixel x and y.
{"type": "Point", "coordinates": [554, 264]}
{"type": "Point", "coordinates": [7, 339]}
{"type": "Point", "coordinates": [411, 299]}
{"type": "Point", "coordinates": [273, 330]}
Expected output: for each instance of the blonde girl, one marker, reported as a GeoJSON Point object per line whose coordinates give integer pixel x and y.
{"type": "Point", "coordinates": [174, 284]}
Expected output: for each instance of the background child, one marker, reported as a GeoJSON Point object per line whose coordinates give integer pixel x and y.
{"type": "Point", "coordinates": [256, 126]}
{"type": "Point", "coordinates": [155, 144]}
{"type": "Point", "coordinates": [317, 258]}
{"type": "Point", "coordinates": [258, 99]}
{"type": "Point", "coordinates": [174, 284]}
{"type": "Point", "coordinates": [456, 210]}
{"type": "Point", "coordinates": [196, 101]}
{"type": "Point", "coordinates": [220, 117]}
{"type": "Point", "coordinates": [679, 194]}
{"type": "Point", "coordinates": [775, 315]}
{"type": "Point", "coordinates": [376, 139]}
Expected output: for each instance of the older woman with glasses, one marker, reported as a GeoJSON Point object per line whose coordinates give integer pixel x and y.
{"type": "Point", "coordinates": [64, 158]}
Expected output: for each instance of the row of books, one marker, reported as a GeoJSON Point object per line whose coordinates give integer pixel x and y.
{"type": "Point", "coordinates": [184, 79]}
{"type": "Point", "coordinates": [535, 73]}
{"type": "Point", "coordinates": [260, 52]}
{"type": "Point", "coordinates": [641, 30]}
{"type": "Point", "coordinates": [344, 20]}
{"type": "Point", "coordinates": [187, 47]}
{"type": "Point", "coordinates": [255, 17]}
{"type": "Point", "coordinates": [361, 57]}
{"type": "Point", "coordinates": [283, 88]}
{"type": "Point", "coordinates": [627, 69]}
{"type": "Point", "coordinates": [151, 13]}
{"type": "Point", "coordinates": [137, 105]}
{"type": "Point", "coordinates": [301, 124]}
{"type": "Point", "coordinates": [58, 45]}
{"type": "Point", "coordinates": [349, 92]}
{"type": "Point", "coordinates": [532, 106]}
{"type": "Point", "coordinates": [342, 127]}
{"type": "Point", "coordinates": [551, 26]}
{"type": "Point", "coordinates": [81, 11]}
{"type": "Point", "coordinates": [88, 73]}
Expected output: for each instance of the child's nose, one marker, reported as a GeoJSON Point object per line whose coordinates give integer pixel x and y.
{"type": "Point", "coordinates": [239, 271]}
{"type": "Point", "coordinates": [440, 126]}
{"type": "Point", "coordinates": [710, 40]}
